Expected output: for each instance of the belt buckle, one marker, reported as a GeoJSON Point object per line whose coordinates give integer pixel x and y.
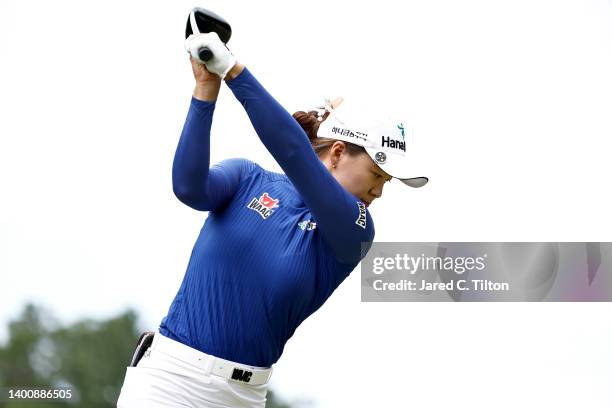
{"type": "Point", "coordinates": [240, 374]}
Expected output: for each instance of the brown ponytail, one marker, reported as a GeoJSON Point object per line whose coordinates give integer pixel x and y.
{"type": "Point", "coordinates": [309, 121]}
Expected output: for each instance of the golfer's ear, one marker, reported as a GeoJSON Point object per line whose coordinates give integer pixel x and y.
{"type": "Point", "coordinates": [338, 148]}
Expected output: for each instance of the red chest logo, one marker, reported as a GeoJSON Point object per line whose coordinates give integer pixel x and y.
{"type": "Point", "coordinates": [263, 205]}
{"type": "Point", "coordinates": [268, 201]}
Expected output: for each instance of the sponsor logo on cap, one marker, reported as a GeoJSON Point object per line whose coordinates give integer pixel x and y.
{"type": "Point", "coordinates": [350, 133]}
{"type": "Point", "coordinates": [361, 219]}
{"type": "Point", "coordinates": [401, 127]}
{"type": "Point", "coordinates": [307, 225]}
{"type": "Point", "coordinates": [393, 143]}
{"type": "Point", "coordinates": [263, 205]}
{"type": "Point", "coordinates": [380, 157]}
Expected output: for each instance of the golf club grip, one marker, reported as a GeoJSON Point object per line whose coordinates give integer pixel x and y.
{"type": "Point", "coordinates": [205, 54]}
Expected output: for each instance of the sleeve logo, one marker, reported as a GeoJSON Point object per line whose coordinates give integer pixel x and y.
{"type": "Point", "coordinates": [361, 219]}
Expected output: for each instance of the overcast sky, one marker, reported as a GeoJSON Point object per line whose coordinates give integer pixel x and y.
{"type": "Point", "coordinates": [509, 103]}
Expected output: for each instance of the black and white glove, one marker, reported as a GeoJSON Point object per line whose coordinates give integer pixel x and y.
{"type": "Point", "coordinates": [221, 62]}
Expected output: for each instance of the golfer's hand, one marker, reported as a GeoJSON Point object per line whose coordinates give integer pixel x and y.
{"type": "Point", "coordinates": [201, 74]}
{"type": "Point", "coordinates": [207, 84]}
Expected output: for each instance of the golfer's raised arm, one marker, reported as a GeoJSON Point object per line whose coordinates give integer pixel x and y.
{"type": "Point", "coordinates": [336, 210]}
{"type": "Point", "coordinates": [193, 182]}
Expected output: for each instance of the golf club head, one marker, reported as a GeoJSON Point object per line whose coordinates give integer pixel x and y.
{"type": "Point", "coordinates": [201, 20]}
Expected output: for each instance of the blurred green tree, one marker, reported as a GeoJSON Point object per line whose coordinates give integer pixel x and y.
{"type": "Point", "coordinates": [88, 356]}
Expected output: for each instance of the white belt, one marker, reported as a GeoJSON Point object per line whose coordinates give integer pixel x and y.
{"type": "Point", "coordinates": [229, 370]}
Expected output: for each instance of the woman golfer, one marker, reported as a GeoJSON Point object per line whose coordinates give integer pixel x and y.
{"type": "Point", "coordinates": [274, 246]}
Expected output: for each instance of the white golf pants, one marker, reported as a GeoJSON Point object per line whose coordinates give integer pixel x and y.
{"type": "Point", "coordinates": [171, 374]}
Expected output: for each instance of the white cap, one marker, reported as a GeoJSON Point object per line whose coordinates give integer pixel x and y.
{"type": "Point", "coordinates": [384, 139]}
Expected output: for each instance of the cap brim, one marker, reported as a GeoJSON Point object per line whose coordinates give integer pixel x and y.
{"type": "Point", "coordinates": [415, 182]}
{"type": "Point", "coordinates": [397, 166]}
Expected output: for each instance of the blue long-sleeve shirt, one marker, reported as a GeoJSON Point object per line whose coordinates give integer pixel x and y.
{"type": "Point", "coordinates": [274, 246]}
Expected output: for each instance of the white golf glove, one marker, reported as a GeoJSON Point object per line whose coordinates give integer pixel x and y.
{"type": "Point", "coordinates": [221, 62]}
